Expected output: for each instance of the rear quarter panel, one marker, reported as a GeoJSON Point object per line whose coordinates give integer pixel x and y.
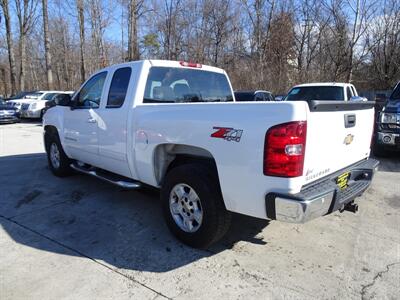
{"type": "Point", "coordinates": [239, 164]}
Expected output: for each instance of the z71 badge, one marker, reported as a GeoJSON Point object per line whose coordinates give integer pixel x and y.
{"type": "Point", "coordinates": [229, 134]}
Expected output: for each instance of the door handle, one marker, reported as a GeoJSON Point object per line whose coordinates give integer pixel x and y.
{"type": "Point", "coordinates": [91, 120]}
{"type": "Point", "coordinates": [349, 120]}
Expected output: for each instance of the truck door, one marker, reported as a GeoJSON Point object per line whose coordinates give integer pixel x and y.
{"type": "Point", "coordinates": [80, 123]}
{"type": "Point", "coordinates": [114, 116]}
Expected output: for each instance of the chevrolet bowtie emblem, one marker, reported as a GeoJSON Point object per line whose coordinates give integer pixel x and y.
{"type": "Point", "coordinates": [348, 139]}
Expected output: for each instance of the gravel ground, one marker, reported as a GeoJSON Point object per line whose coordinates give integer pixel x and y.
{"type": "Point", "coordinates": [79, 238]}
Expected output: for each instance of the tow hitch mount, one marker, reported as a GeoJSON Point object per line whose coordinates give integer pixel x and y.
{"type": "Point", "coordinates": [351, 206]}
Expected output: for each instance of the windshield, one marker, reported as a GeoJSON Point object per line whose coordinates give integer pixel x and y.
{"type": "Point", "coordinates": [49, 96]}
{"type": "Point", "coordinates": [244, 96]}
{"type": "Point", "coordinates": [396, 93]}
{"type": "Point", "coordinates": [33, 95]}
{"type": "Point", "coordinates": [178, 85]}
{"type": "Point", "coordinates": [309, 93]}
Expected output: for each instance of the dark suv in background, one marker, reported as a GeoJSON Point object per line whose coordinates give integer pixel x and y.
{"type": "Point", "coordinates": [387, 133]}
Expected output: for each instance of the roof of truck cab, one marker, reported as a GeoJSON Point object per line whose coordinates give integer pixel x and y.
{"type": "Point", "coordinates": [340, 84]}
{"type": "Point", "coordinates": [164, 63]}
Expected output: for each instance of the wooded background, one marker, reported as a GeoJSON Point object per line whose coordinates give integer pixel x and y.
{"type": "Point", "coordinates": [262, 44]}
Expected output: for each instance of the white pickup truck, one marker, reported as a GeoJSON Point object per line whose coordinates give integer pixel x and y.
{"type": "Point", "coordinates": [324, 91]}
{"type": "Point", "coordinates": [176, 126]}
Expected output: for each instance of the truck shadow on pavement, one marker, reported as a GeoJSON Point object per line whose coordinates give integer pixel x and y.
{"type": "Point", "coordinates": [85, 217]}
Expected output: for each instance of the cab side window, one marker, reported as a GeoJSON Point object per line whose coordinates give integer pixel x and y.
{"type": "Point", "coordinates": [119, 87]}
{"type": "Point", "coordinates": [90, 95]}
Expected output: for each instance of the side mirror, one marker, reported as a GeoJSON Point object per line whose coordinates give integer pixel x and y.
{"type": "Point", "coordinates": [63, 100]}
{"type": "Point", "coordinates": [358, 98]}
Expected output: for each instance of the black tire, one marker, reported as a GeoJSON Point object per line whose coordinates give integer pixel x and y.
{"type": "Point", "coordinates": [216, 219]}
{"type": "Point", "coordinates": [63, 169]}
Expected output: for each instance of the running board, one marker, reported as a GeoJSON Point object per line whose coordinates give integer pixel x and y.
{"type": "Point", "coordinates": [112, 178]}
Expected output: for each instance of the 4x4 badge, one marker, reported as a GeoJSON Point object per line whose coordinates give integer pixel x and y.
{"type": "Point", "coordinates": [229, 134]}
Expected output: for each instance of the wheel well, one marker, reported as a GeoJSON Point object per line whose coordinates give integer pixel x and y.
{"type": "Point", "coordinates": [169, 156]}
{"type": "Point", "coordinates": [49, 130]}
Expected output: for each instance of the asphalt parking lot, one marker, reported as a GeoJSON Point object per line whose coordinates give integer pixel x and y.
{"type": "Point", "coordinates": [80, 238]}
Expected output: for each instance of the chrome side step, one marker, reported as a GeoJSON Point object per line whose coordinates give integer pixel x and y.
{"type": "Point", "coordinates": [115, 179]}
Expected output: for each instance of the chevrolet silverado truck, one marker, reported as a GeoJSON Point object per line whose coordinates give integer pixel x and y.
{"type": "Point", "coordinates": [176, 126]}
{"type": "Point", "coordinates": [387, 136]}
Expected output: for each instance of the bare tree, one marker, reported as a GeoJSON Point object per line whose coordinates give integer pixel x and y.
{"type": "Point", "coordinates": [26, 14]}
{"type": "Point", "coordinates": [10, 47]}
{"type": "Point", "coordinates": [384, 42]}
{"type": "Point", "coordinates": [47, 45]}
{"type": "Point", "coordinates": [81, 20]}
{"type": "Point", "coordinates": [362, 11]}
{"type": "Point", "coordinates": [99, 20]}
{"type": "Point", "coordinates": [134, 7]}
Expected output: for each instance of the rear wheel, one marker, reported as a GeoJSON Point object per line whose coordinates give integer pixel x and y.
{"type": "Point", "coordinates": [192, 205]}
{"type": "Point", "coordinates": [58, 161]}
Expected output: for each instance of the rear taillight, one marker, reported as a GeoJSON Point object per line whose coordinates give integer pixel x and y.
{"type": "Point", "coordinates": [284, 149]}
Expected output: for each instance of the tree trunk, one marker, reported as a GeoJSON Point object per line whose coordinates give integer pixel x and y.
{"type": "Point", "coordinates": [133, 49]}
{"type": "Point", "coordinates": [22, 72]}
{"type": "Point", "coordinates": [81, 19]}
{"type": "Point", "coordinates": [11, 57]}
{"type": "Point", "coordinates": [47, 46]}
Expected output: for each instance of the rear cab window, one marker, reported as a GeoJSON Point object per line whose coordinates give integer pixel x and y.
{"type": "Point", "coordinates": [119, 87]}
{"type": "Point", "coordinates": [321, 93]}
{"type": "Point", "coordinates": [181, 85]}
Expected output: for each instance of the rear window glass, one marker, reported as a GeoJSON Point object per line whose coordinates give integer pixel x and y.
{"type": "Point", "coordinates": [179, 85]}
{"type": "Point", "coordinates": [309, 93]}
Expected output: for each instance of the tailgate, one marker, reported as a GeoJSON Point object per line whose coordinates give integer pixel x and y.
{"type": "Point", "coordinates": [338, 135]}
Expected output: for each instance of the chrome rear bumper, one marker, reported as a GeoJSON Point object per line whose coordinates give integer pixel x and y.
{"type": "Point", "coordinates": [322, 197]}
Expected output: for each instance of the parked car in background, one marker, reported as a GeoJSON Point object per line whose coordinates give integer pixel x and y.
{"type": "Point", "coordinates": [174, 126]}
{"type": "Point", "coordinates": [387, 135]}
{"type": "Point", "coordinates": [279, 97]}
{"type": "Point", "coordinates": [380, 101]}
{"type": "Point", "coordinates": [8, 114]}
{"type": "Point", "coordinates": [19, 96]}
{"type": "Point", "coordinates": [26, 98]}
{"type": "Point", "coordinates": [35, 107]}
{"type": "Point", "coordinates": [324, 92]}
{"type": "Point", "coordinates": [259, 95]}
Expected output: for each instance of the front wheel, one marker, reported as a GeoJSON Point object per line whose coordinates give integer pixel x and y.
{"type": "Point", "coordinates": [192, 205]}
{"type": "Point", "coordinates": [59, 163]}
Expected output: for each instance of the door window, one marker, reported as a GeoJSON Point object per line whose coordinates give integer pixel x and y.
{"type": "Point", "coordinates": [119, 87]}
{"type": "Point", "coordinates": [90, 95]}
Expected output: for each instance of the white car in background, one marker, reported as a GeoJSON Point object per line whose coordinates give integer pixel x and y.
{"type": "Point", "coordinates": [34, 107]}
{"type": "Point", "coordinates": [17, 103]}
